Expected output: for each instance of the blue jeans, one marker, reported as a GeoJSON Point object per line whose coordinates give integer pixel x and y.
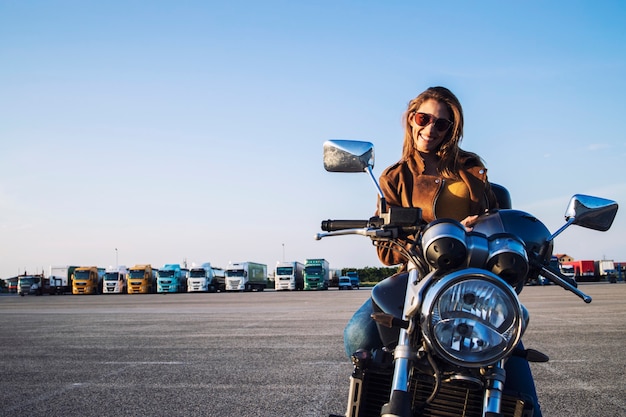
{"type": "Point", "coordinates": [361, 332]}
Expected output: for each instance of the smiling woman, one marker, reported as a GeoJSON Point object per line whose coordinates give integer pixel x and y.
{"type": "Point", "coordinates": [434, 173]}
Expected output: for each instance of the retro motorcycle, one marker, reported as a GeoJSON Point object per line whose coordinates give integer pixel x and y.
{"type": "Point", "coordinates": [450, 323]}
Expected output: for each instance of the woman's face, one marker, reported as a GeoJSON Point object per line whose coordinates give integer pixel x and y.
{"type": "Point", "coordinates": [428, 138]}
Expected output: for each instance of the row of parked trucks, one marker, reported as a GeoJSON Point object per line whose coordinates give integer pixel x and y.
{"type": "Point", "coordinates": [591, 271]}
{"type": "Point", "coordinates": [74, 279]}
{"type": "Point", "coordinates": [144, 279]}
{"type": "Point", "coordinates": [313, 274]}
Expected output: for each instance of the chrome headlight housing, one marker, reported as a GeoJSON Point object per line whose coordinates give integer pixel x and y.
{"type": "Point", "coordinates": [444, 245]}
{"type": "Point", "coordinates": [471, 318]}
{"type": "Point", "coordinates": [508, 258]}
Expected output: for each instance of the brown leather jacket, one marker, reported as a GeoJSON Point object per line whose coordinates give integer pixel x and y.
{"type": "Point", "coordinates": [403, 185]}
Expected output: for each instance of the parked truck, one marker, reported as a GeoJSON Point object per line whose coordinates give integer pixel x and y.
{"type": "Point", "coordinates": [142, 279]}
{"type": "Point", "coordinates": [115, 280]}
{"type": "Point", "coordinates": [205, 278]}
{"type": "Point", "coordinates": [172, 278]}
{"type": "Point", "coordinates": [246, 276]}
{"type": "Point", "coordinates": [87, 280]}
{"type": "Point", "coordinates": [61, 278]}
{"type": "Point", "coordinates": [37, 284]}
{"type": "Point", "coordinates": [289, 276]}
{"type": "Point", "coordinates": [606, 269]}
{"type": "Point", "coordinates": [344, 283]}
{"type": "Point", "coordinates": [354, 279]}
{"type": "Point", "coordinates": [316, 274]}
{"type": "Point", "coordinates": [220, 278]}
{"type": "Point", "coordinates": [335, 273]}
{"type": "Point", "coordinates": [583, 270]}
{"type": "Point", "coordinates": [567, 270]}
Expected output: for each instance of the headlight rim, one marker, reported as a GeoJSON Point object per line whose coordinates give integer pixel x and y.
{"type": "Point", "coordinates": [433, 294]}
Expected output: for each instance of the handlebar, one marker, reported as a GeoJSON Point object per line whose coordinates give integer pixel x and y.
{"type": "Point", "coordinates": [374, 228]}
{"type": "Point", "coordinates": [405, 219]}
{"type": "Point", "coordinates": [334, 225]}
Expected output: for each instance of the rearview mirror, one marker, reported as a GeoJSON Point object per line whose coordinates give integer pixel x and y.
{"type": "Point", "coordinates": [348, 155]}
{"type": "Point", "coordinates": [591, 212]}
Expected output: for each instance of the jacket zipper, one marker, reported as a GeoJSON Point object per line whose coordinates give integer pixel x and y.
{"type": "Point", "coordinates": [441, 184]}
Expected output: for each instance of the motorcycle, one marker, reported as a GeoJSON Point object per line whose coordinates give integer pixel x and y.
{"type": "Point", "coordinates": [446, 344]}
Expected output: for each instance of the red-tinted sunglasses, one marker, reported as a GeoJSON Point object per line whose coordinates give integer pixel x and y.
{"type": "Point", "coordinates": [424, 119]}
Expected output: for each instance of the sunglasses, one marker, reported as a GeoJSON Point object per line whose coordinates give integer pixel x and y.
{"type": "Point", "coordinates": [424, 119]}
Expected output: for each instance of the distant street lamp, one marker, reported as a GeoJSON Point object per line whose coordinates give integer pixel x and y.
{"type": "Point", "coordinates": [283, 252]}
{"type": "Point", "coordinates": [116, 261]}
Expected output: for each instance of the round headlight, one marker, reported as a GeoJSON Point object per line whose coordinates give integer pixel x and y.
{"type": "Point", "coordinates": [444, 244]}
{"type": "Point", "coordinates": [471, 318]}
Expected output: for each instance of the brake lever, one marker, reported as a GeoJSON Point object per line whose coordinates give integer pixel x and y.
{"type": "Point", "coordinates": [367, 232]}
{"type": "Point", "coordinates": [561, 281]}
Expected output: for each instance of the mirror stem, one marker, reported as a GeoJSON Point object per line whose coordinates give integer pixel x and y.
{"type": "Point", "coordinates": [565, 226]}
{"type": "Point", "coordinates": [383, 202]}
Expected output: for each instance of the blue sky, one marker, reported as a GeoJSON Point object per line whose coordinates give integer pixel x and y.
{"type": "Point", "coordinates": [163, 132]}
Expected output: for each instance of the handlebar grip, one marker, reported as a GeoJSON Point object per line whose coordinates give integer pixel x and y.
{"type": "Point", "coordinates": [333, 225]}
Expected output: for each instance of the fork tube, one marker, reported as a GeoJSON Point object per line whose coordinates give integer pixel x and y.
{"type": "Point", "coordinates": [399, 404]}
{"type": "Point", "coordinates": [402, 352]}
{"type": "Point", "coordinates": [401, 356]}
{"type": "Point", "coordinates": [493, 393]}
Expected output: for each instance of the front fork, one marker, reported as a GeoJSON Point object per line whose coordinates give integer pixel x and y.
{"type": "Point", "coordinates": [399, 404]}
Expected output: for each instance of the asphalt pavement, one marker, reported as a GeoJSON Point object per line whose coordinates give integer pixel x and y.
{"type": "Point", "coordinates": [263, 354]}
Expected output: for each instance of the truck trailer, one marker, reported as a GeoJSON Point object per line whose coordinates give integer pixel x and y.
{"type": "Point", "coordinates": [246, 276]}
{"type": "Point", "coordinates": [606, 269]}
{"type": "Point", "coordinates": [205, 278]}
{"type": "Point", "coordinates": [61, 278]}
{"type": "Point", "coordinates": [115, 280]}
{"type": "Point", "coordinates": [316, 274]}
{"type": "Point", "coordinates": [335, 273]}
{"type": "Point", "coordinates": [289, 276]}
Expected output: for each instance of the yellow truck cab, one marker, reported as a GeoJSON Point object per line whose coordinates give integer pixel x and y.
{"type": "Point", "coordinates": [142, 279]}
{"type": "Point", "coordinates": [87, 280]}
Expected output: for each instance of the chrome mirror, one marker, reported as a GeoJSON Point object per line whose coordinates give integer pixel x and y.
{"type": "Point", "coordinates": [348, 155]}
{"type": "Point", "coordinates": [591, 212]}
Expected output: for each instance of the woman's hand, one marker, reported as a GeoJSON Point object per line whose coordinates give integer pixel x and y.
{"type": "Point", "coordinates": [469, 222]}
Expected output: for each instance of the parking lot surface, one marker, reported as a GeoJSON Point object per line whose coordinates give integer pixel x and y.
{"type": "Point", "coordinates": [263, 354]}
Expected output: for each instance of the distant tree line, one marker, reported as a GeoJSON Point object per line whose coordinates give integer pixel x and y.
{"type": "Point", "coordinates": [371, 274]}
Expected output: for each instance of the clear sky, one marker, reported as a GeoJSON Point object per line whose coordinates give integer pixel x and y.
{"type": "Point", "coordinates": [170, 131]}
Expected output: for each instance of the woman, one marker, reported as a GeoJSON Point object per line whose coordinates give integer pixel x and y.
{"type": "Point", "coordinates": [445, 181]}
{"type": "Point", "coordinates": [434, 173]}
